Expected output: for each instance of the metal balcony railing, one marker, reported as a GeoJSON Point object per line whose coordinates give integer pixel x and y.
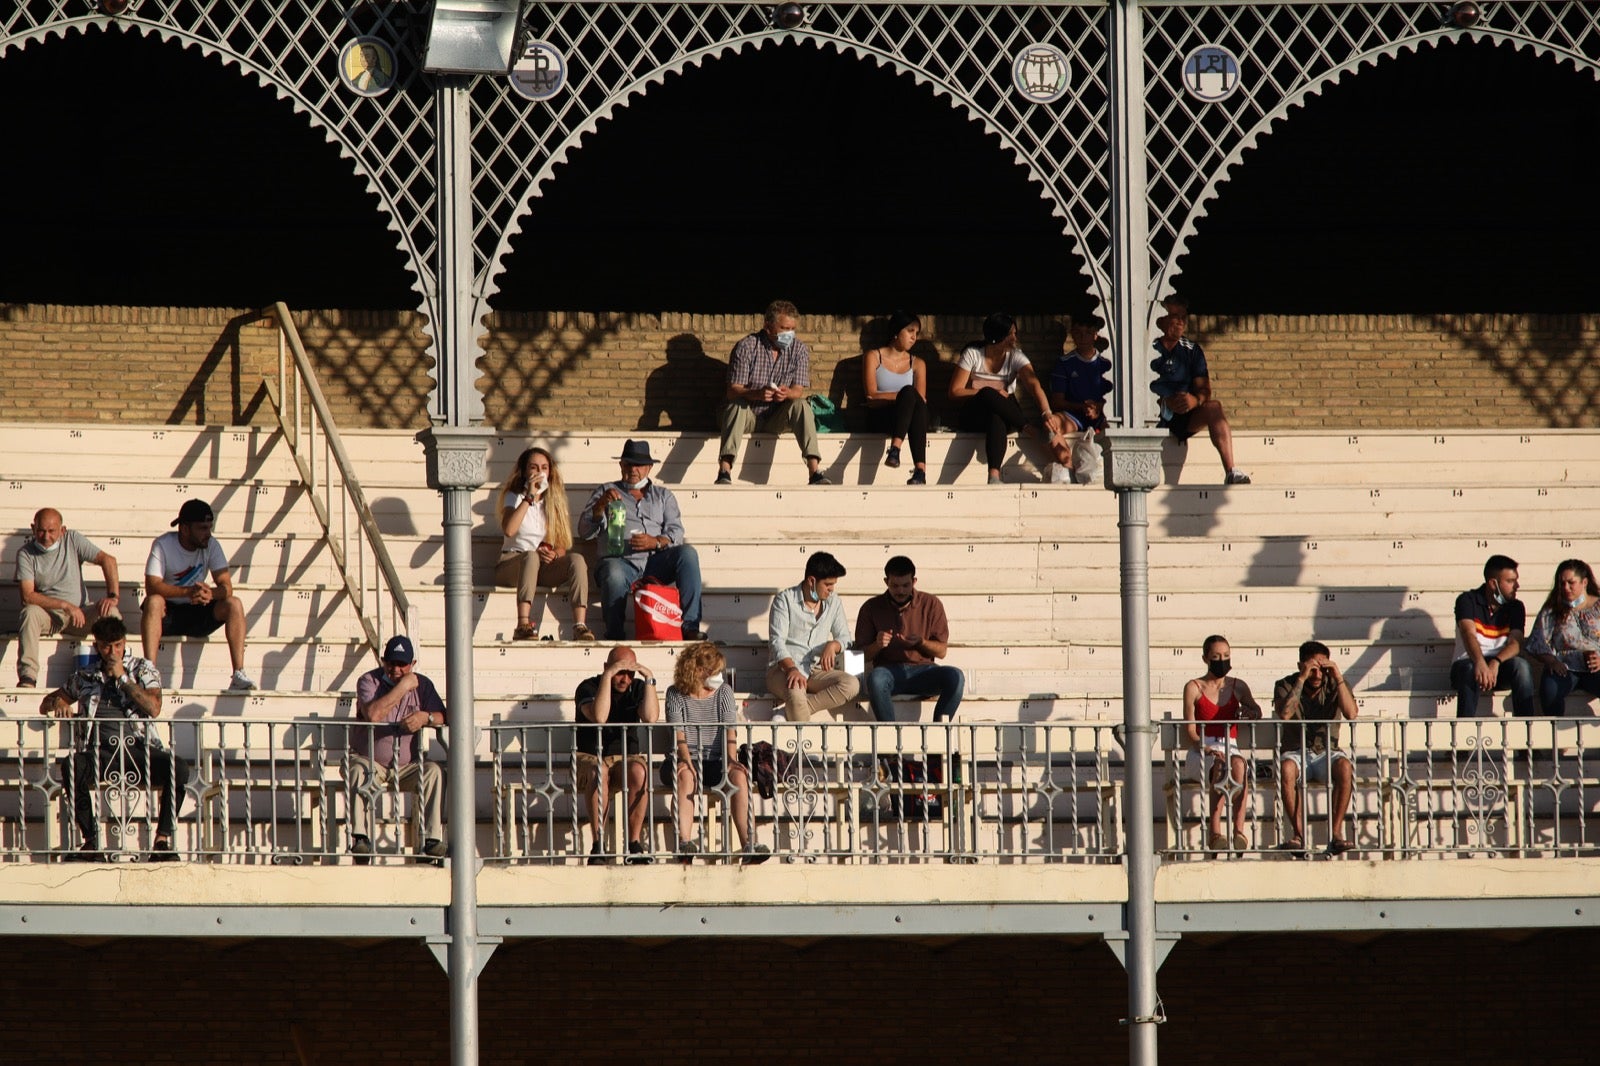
{"type": "Point", "coordinates": [260, 791]}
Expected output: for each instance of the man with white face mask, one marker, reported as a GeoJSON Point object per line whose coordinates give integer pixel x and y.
{"type": "Point", "coordinates": [1489, 625]}
{"type": "Point", "coordinates": [651, 545]}
{"type": "Point", "coordinates": [769, 374]}
{"type": "Point", "coordinates": [807, 635]}
{"type": "Point", "coordinates": [50, 578]}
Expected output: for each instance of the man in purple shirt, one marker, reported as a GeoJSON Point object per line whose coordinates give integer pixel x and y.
{"type": "Point", "coordinates": [397, 704]}
{"type": "Point", "coordinates": [769, 373]}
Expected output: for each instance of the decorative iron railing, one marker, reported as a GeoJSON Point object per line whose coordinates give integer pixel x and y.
{"type": "Point", "coordinates": [259, 791]}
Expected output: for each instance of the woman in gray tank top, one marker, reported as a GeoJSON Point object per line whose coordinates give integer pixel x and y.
{"type": "Point", "coordinates": [896, 386]}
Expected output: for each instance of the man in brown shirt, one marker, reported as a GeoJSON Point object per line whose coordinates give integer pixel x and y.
{"type": "Point", "coordinates": [902, 631]}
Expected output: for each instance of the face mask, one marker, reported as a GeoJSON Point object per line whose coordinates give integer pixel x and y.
{"type": "Point", "coordinates": [714, 682]}
{"type": "Point", "coordinates": [52, 547]}
{"type": "Point", "coordinates": [636, 486]}
{"type": "Point", "coordinates": [784, 339]}
{"type": "Point", "coordinates": [1220, 667]}
{"type": "Point", "coordinates": [811, 594]}
{"type": "Point", "coordinates": [1575, 603]}
{"type": "Point", "coordinates": [1498, 598]}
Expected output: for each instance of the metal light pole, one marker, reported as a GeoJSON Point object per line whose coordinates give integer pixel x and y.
{"type": "Point", "coordinates": [456, 453]}
{"type": "Point", "coordinates": [1133, 468]}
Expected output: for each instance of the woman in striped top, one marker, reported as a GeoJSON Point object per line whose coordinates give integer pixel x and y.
{"type": "Point", "coordinates": [701, 707]}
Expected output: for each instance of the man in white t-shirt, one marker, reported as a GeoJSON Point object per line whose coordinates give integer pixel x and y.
{"type": "Point", "coordinates": [177, 600]}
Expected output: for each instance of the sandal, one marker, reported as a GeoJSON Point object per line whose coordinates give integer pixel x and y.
{"type": "Point", "coordinates": [583, 632]}
{"type": "Point", "coordinates": [1338, 847]}
{"type": "Point", "coordinates": [1296, 848]}
{"type": "Point", "coordinates": [524, 631]}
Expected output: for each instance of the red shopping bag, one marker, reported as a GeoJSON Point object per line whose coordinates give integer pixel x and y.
{"type": "Point", "coordinates": [657, 615]}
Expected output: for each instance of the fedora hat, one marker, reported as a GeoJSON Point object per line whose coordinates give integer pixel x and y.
{"type": "Point", "coordinates": [637, 452]}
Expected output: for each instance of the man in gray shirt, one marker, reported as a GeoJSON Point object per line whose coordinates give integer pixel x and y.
{"type": "Point", "coordinates": [50, 578]}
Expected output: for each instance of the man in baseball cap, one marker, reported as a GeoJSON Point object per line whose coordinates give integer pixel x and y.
{"type": "Point", "coordinates": [398, 704]}
{"type": "Point", "coordinates": [179, 603]}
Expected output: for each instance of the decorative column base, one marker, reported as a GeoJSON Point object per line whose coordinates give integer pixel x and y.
{"type": "Point", "coordinates": [1133, 458]}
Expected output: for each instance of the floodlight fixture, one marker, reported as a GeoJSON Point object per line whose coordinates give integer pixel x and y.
{"type": "Point", "coordinates": [472, 37]}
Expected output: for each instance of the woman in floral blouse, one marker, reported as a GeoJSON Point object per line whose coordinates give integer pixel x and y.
{"type": "Point", "coordinates": [1566, 637]}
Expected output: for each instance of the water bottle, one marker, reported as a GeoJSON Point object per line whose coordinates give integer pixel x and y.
{"type": "Point", "coordinates": [616, 528]}
{"type": "Point", "coordinates": [84, 656]}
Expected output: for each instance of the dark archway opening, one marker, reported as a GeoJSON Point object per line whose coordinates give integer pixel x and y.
{"type": "Point", "coordinates": [1460, 178]}
{"type": "Point", "coordinates": [151, 175]}
{"type": "Point", "coordinates": [798, 172]}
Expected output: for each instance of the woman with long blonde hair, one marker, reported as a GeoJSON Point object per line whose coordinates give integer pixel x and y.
{"type": "Point", "coordinates": [538, 542]}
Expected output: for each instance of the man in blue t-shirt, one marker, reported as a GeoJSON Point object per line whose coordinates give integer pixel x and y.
{"type": "Point", "coordinates": [1078, 384]}
{"type": "Point", "coordinates": [1184, 384]}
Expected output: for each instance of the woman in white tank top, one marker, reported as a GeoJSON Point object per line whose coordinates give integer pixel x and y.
{"type": "Point", "coordinates": [538, 543]}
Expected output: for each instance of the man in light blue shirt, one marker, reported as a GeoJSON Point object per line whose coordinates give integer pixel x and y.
{"type": "Point", "coordinates": [652, 542]}
{"type": "Point", "coordinates": [807, 635]}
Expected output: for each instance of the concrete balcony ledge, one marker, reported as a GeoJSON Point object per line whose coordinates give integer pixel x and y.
{"type": "Point", "coordinates": [796, 899]}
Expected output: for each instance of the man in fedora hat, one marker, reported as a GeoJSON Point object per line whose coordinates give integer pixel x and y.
{"type": "Point", "coordinates": [769, 375]}
{"type": "Point", "coordinates": [652, 542]}
{"type": "Point", "coordinates": [177, 600]}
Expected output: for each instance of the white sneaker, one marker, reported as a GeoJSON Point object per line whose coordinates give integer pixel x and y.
{"type": "Point", "coordinates": [241, 682]}
{"type": "Point", "coordinates": [1237, 477]}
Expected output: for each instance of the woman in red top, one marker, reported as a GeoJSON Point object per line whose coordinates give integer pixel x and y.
{"type": "Point", "coordinates": [1211, 705]}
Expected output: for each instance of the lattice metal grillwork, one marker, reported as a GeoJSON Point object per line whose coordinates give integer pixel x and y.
{"type": "Point", "coordinates": [615, 51]}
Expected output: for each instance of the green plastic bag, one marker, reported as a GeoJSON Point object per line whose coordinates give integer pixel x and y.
{"type": "Point", "coordinates": [828, 416]}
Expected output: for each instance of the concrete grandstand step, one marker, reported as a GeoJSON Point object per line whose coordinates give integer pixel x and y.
{"type": "Point", "coordinates": [1538, 456]}
{"type": "Point", "coordinates": [815, 518]}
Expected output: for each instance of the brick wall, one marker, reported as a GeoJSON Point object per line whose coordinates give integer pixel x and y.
{"type": "Point", "coordinates": [1307, 999]}
{"type": "Point", "coordinates": [558, 370]}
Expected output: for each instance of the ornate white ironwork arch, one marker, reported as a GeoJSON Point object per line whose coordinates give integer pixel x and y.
{"type": "Point", "coordinates": [1049, 187]}
{"type": "Point", "coordinates": [1289, 53]}
{"type": "Point", "coordinates": [299, 68]}
{"type": "Point", "coordinates": [615, 52]}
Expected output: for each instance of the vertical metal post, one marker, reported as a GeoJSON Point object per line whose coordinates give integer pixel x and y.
{"type": "Point", "coordinates": [1133, 468]}
{"type": "Point", "coordinates": [455, 400]}
{"type": "Point", "coordinates": [456, 467]}
{"type": "Point", "coordinates": [1130, 252]}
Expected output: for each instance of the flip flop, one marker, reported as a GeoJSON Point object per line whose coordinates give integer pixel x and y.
{"type": "Point", "coordinates": [1339, 847]}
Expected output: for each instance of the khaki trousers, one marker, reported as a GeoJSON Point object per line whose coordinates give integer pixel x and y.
{"type": "Point", "coordinates": [736, 419]}
{"type": "Point", "coordinates": [826, 690]}
{"type": "Point", "coordinates": [525, 572]}
{"type": "Point", "coordinates": [36, 623]}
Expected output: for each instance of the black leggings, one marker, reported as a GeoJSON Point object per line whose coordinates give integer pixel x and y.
{"type": "Point", "coordinates": [995, 415]}
{"type": "Point", "coordinates": [907, 419]}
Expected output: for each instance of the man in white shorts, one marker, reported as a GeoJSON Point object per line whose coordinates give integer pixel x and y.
{"type": "Point", "coordinates": [1317, 696]}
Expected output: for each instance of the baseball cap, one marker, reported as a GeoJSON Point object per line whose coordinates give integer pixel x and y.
{"type": "Point", "coordinates": [398, 650]}
{"type": "Point", "coordinates": [194, 511]}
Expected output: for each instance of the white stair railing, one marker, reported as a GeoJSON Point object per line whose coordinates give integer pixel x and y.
{"type": "Point", "coordinates": [335, 492]}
